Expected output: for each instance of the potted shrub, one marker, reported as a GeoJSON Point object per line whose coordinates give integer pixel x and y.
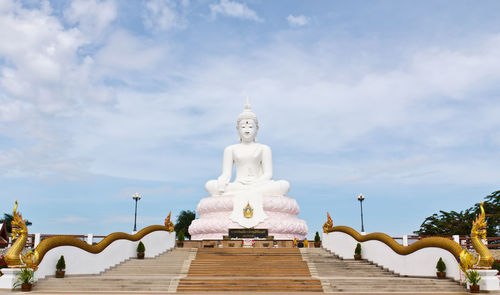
{"type": "Point", "coordinates": [357, 252]}
{"type": "Point", "coordinates": [180, 239]}
{"type": "Point", "coordinates": [140, 250]}
{"type": "Point", "coordinates": [473, 277]}
{"type": "Point", "coordinates": [60, 267]}
{"type": "Point", "coordinates": [25, 279]}
{"type": "Point", "coordinates": [441, 269]}
{"type": "Point", "coordinates": [317, 240]}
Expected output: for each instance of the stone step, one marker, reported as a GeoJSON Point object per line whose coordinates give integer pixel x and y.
{"type": "Point", "coordinates": [246, 281]}
{"type": "Point", "coordinates": [250, 284]}
{"type": "Point", "coordinates": [159, 274]}
{"type": "Point", "coordinates": [251, 270]}
{"type": "Point", "coordinates": [246, 275]}
{"type": "Point", "coordinates": [355, 276]}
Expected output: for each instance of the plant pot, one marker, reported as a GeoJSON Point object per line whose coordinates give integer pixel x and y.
{"type": "Point", "coordinates": [441, 274]}
{"type": "Point", "coordinates": [140, 255]}
{"type": "Point", "coordinates": [474, 288]}
{"type": "Point", "coordinates": [357, 256]}
{"type": "Point", "coordinates": [26, 287]}
{"type": "Point", "coordinates": [60, 273]}
{"type": "Point", "coordinates": [180, 244]}
{"type": "Point", "coordinates": [317, 244]}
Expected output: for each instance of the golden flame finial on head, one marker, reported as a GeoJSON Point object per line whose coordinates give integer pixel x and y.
{"type": "Point", "coordinates": [327, 227]}
{"type": "Point", "coordinates": [479, 225]}
{"type": "Point", "coordinates": [482, 216]}
{"type": "Point", "coordinates": [168, 223]}
{"type": "Point", "coordinates": [18, 225]}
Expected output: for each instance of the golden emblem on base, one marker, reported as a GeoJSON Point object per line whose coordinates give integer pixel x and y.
{"type": "Point", "coordinates": [248, 211]}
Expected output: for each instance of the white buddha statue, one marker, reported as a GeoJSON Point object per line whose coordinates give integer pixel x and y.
{"type": "Point", "coordinates": [253, 161]}
{"type": "Point", "coordinates": [253, 199]}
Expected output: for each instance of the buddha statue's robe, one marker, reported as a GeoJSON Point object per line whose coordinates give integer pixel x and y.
{"type": "Point", "coordinates": [253, 180]}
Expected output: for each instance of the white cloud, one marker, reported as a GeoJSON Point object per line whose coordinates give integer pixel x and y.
{"type": "Point", "coordinates": [123, 51]}
{"type": "Point", "coordinates": [234, 9]}
{"type": "Point", "coordinates": [7, 5]}
{"type": "Point", "coordinates": [297, 21]}
{"type": "Point", "coordinates": [305, 111]}
{"type": "Point", "coordinates": [91, 16]}
{"type": "Point", "coordinates": [64, 119]}
{"type": "Point", "coordinates": [42, 63]}
{"type": "Point", "coordinates": [43, 81]}
{"type": "Point", "coordinates": [163, 15]}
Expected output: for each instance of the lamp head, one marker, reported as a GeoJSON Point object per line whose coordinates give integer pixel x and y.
{"type": "Point", "coordinates": [361, 197]}
{"type": "Point", "coordinates": [136, 196]}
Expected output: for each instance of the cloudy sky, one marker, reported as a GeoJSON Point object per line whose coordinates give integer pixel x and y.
{"type": "Point", "coordinates": [397, 100]}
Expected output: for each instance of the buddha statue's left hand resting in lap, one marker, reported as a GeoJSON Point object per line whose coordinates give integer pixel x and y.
{"type": "Point", "coordinates": [253, 161]}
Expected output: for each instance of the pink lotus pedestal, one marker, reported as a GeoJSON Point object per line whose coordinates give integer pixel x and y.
{"type": "Point", "coordinates": [214, 218]}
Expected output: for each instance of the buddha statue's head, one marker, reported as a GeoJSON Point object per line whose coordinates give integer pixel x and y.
{"type": "Point", "coordinates": [247, 124]}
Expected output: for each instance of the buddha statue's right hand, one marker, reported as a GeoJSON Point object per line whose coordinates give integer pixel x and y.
{"type": "Point", "coordinates": [221, 184]}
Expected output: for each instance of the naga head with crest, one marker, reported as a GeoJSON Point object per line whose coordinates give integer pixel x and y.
{"type": "Point", "coordinates": [479, 225]}
{"type": "Point", "coordinates": [169, 224]}
{"type": "Point", "coordinates": [18, 224]}
{"type": "Point", "coordinates": [328, 225]}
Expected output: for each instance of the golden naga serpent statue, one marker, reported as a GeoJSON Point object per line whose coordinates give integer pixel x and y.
{"type": "Point", "coordinates": [477, 234]}
{"type": "Point", "coordinates": [465, 259]}
{"type": "Point", "coordinates": [15, 259]}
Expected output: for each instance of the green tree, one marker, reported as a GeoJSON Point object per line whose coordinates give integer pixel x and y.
{"type": "Point", "coordinates": [184, 221]}
{"type": "Point", "coordinates": [460, 223]}
{"type": "Point", "coordinates": [7, 218]}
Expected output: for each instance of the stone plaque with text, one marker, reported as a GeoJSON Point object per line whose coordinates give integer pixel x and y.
{"type": "Point", "coordinates": [248, 233]}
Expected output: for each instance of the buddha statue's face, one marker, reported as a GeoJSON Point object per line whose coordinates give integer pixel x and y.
{"type": "Point", "coordinates": [247, 130]}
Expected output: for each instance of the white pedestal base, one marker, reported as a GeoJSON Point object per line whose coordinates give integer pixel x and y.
{"type": "Point", "coordinates": [489, 280]}
{"type": "Point", "coordinates": [214, 218]}
{"type": "Point", "coordinates": [9, 278]}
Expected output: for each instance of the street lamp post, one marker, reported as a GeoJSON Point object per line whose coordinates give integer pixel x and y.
{"type": "Point", "coordinates": [361, 199]}
{"type": "Point", "coordinates": [136, 197]}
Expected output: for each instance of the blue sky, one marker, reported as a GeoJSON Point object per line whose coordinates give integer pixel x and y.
{"type": "Point", "coordinates": [397, 100]}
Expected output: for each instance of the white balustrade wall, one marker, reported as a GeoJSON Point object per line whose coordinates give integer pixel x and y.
{"type": "Point", "coordinates": [79, 261]}
{"type": "Point", "coordinates": [419, 263]}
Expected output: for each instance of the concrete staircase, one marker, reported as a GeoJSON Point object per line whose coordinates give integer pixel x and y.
{"type": "Point", "coordinates": [249, 270]}
{"type": "Point", "coordinates": [159, 274]}
{"type": "Point", "coordinates": [245, 270]}
{"type": "Point", "coordinates": [355, 276]}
